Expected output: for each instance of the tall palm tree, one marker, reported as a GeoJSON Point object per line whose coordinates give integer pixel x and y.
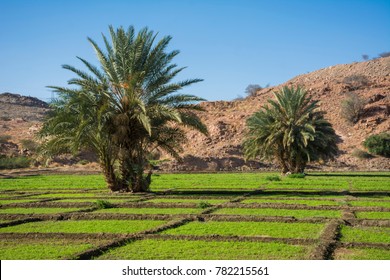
{"type": "Point", "coordinates": [131, 104]}
{"type": "Point", "coordinates": [290, 129]}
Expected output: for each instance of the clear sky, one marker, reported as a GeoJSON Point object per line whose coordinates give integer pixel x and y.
{"type": "Point", "coordinates": [230, 44]}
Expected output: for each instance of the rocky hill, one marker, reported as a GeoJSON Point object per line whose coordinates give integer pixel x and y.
{"type": "Point", "coordinates": [221, 150]}
{"type": "Point", "coordinates": [20, 117]}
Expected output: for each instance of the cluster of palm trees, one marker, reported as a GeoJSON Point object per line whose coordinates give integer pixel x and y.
{"type": "Point", "coordinates": [131, 106]}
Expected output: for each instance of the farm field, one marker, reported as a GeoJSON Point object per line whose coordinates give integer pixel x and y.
{"type": "Point", "coordinates": [198, 216]}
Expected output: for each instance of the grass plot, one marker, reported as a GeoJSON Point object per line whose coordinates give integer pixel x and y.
{"type": "Point", "coordinates": [150, 249]}
{"type": "Point", "coordinates": [265, 229]}
{"type": "Point", "coordinates": [91, 226]}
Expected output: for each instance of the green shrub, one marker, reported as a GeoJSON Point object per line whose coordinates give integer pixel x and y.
{"type": "Point", "coordinates": [378, 144]}
{"type": "Point", "coordinates": [273, 178]}
{"type": "Point", "coordinates": [104, 204]}
{"type": "Point", "coordinates": [361, 154]}
{"type": "Point", "coordinates": [5, 138]}
{"type": "Point", "coordinates": [352, 107]}
{"type": "Point", "coordinates": [83, 162]}
{"type": "Point", "coordinates": [5, 118]}
{"type": "Point", "coordinates": [204, 204]}
{"type": "Point", "coordinates": [29, 144]}
{"type": "Point", "coordinates": [356, 81]}
{"type": "Point", "coordinates": [296, 175]}
{"type": "Point", "coordinates": [14, 162]}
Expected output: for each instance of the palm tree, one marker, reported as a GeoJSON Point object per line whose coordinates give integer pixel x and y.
{"type": "Point", "coordinates": [291, 130]}
{"type": "Point", "coordinates": [130, 103]}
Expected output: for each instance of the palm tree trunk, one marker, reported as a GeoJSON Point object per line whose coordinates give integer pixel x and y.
{"type": "Point", "coordinates": [110, 178]}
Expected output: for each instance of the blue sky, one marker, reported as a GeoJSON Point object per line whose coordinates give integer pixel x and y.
{"type": "Point", "coordinates": [229, 44]}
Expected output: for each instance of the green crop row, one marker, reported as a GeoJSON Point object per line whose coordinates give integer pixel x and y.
{"type": "Point", "coordinates": [196, 201]}
{"type": "Point", "coordinates": [264, 229]}
{"type": "Point", "coordinates": [292, 201]}
{"type": "Point", "coordinates": [362, 254]}
{"type": "Point", "coordinates": [151, 249]}
{"type": "Point", "coordinates": [365, 234]}
{"type": "Point", "coordinates": [370, 203]}
{"type": "Point", "coordinates": [44, 249]}
{"type": "Point", "coordinates": [150, 210]}
{"type": "Point", "coordinates": [279, 212]}
{"type": "Point", "coordinates": [373, 215]}
{"type": "Point", "coordinates": [92, 226]}
{"type": "Point", "coordinates": [37, 210]}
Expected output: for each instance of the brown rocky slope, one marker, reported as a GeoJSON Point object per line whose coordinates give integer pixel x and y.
{"type": "Point", "coordinates": [221, 149]}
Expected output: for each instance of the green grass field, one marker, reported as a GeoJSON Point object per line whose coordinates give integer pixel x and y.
{"type": "Point", "coordinates": [195, 201]}
{"type": "Point", "coordinates": [265, 229]}
{"type": "Point", "coordinates": [37, 210]}
{"type": "Point", "coordinates": [170, 211]}
{"type": "Point", "coordinates": [206, 250]}
{"type": "Point", "coordinates": [373, 215]}
{"type": "Point", "coordinates": [291, 201]}
{"type": "Point", "coordinates": [364, 203]}
{"type": "Point", "coordinates": [93, 226]}
{"type": "Point", "coordinates": [362, 254]}
{"type": "Point", "coordinates": [365, 234]}
{"type": "Point", "coordinates": [280, 212]}
{"type": "Point", "coordinates": [52, 249]}
{"type": "Point", "coordinates": [204, 232]}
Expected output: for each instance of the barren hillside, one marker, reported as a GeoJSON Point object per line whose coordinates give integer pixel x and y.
{"type": "Point", "coordinates": [20, 116]}
{"type": "Point", "coordinates": [221, 150]}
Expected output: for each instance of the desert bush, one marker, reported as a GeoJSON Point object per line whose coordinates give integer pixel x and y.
{"type": "Point", "coordinates": [204, 204]}
{"type": "Point", "coordinates": [384, 54]}
{"type": "Point", "coordinates": [104, 204]}
{"type": "Point", "coordinates": [378, 144]}
{"type": "Point", "coordinates": [83, 162]}
{"type": "Point", "coordinates": [361, 154]}
{"type": "Point", "coordinates": [239, 98]}
{"type": "Point", "coordinates": [356, 81]}
{"type": "Point", "coordinates": [5, 118]}
{"type": "Point", "coordinates": [5, 138]}
{"type": "Point", "coordinates": [29, 144]}
{"type": "Point", "coordinates": [252, 89]}
{"type": "Point", "coordinates": [14, 162]}
{"type": "Point", "coordinates": [352, 107]}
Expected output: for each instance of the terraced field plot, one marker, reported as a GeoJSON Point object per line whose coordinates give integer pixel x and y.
{"type": "Point", "coordinates": [95, 226]}
{"type": "Point", "coordinates": [192, 201]}
{"type": "Point", "coordinates": [37, 210]}
{"type": "Point", "coordinates": [43, 249]}
{"type": "Point", "coordinates": [169, 211]}
{"type": "Point", "coordinates": [263, 229]}
{"type": "Point", "coordinates": [197, 216]}
{"type": "Point", "coordinates": [366, 234]}
{"type": "Point", "coordinates": [279, 212]}
{"type": "Point", "coordinates": [155, 249]}
{"type": "Point", "coordinates": [362, 253]}
{"type": "Point", "coordinates": [291, 201]}
{"type": "Point", "coordinates": [373, 215]}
